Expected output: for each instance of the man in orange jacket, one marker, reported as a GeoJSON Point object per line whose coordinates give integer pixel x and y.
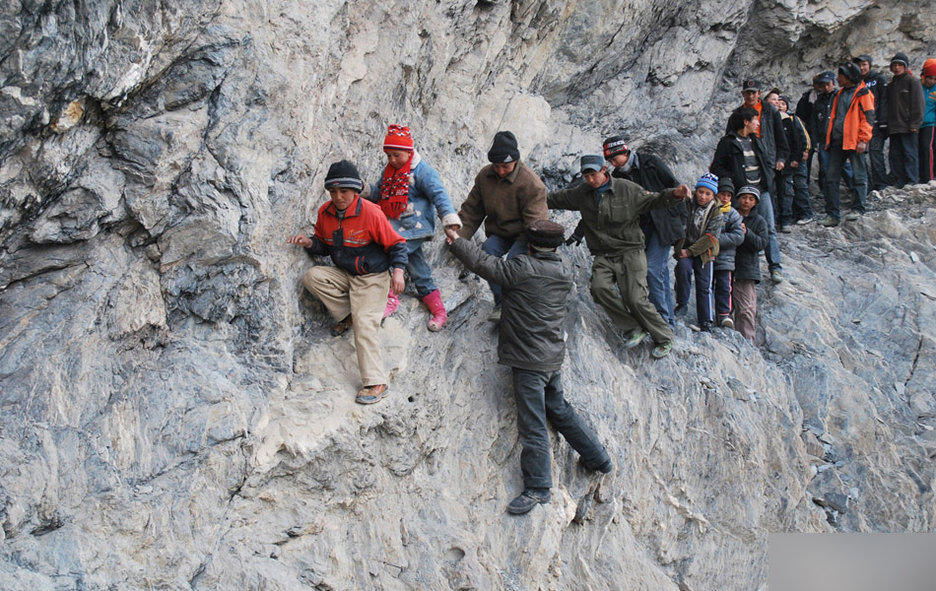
{"type": "Point", "coordinates": [847, 136]}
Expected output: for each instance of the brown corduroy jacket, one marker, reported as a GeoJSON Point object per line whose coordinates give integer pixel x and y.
{"type": "Point", "coordinates": [505, 205]}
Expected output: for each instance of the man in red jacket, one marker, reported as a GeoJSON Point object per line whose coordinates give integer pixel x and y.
{"type": "Point", "coordinates": [847, 136]}
{"type": "Point", "coordinates": [363, 246]}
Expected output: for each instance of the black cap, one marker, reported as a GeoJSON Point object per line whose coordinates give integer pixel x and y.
{"type": "Point", "coordinates": [504, 148]}
{"type": "Point", "coordinates": [545, 234]}
{"type": "Point", "coordinates": [822, 77]}
{"type": "Point", "coordinates": [851, 71]}
{"type": "Point", "coordinates": [343, 174]}
{"type": "Point", "coordinates": [725, 185]}
{"type": "Point", "coordinates": [901, 58]}
{"type": "Point", "coordinates": [750, 85]}
{"type": "Point", "coordinates": [864, 57]}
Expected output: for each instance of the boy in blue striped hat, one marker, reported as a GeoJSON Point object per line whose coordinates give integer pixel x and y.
{"type": "Point", "coordinates": [695, 252]}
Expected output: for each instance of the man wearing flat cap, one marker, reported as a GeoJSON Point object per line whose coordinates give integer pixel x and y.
{"type": "Point", "coordinates": [611, 210]}
{"type": "Point", "coordinates": [531, 342]}
{"type": "Point", "coordinates": [507, 197]}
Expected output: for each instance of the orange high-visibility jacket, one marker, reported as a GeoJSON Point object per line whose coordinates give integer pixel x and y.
{"type": "Point", "coordinates": [858, 118]}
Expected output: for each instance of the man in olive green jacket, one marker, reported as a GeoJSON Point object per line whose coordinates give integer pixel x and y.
{"type": "Point", "coordinates": [507, 197]}
{"type": "Point", "coordinates": [611, 210]}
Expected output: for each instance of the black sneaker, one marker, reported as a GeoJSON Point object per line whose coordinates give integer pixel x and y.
{"type": "Point", "coordinates": [604, 467]}
{"type": "Point", "coordinates": [529, 498]}
{"type": "Point", "coordinates": [705, 326]}
{"type": "Point", "coordinates": [680, 310]}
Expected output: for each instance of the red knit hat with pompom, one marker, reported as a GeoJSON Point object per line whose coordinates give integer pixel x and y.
{"type": "Point", "coordinates": [398, 138]}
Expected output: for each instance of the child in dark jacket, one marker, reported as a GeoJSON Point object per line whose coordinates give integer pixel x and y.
{"type": "Point", "coordinates": [695, 252]}
{"type": "Point", "coordinates": [747, 261]}
{"type": "Point", "coordinates": [732, 235]}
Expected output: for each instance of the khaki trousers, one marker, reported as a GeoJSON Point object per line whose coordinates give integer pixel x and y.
{"type": "Point", "coordinates": [619, 285]}
{"type": "Point", "coordinates": [364, 298]}
{"type": "Point", "coordinates": [745, 307]}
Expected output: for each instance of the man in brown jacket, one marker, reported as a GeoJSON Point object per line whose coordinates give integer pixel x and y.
{"type": "Point", "coordinates": [507, 196]}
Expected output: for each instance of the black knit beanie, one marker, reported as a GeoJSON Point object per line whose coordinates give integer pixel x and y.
{"type": "Point", "coordinates": [725, 185]}
{"type": "Point", "coordinates": [343, 174]}
{"type": "Point", "coordinates": [504, 148]}
{"type": "Point", "coordinates": [851, 71]}
{"type": "Point", "coordinates": [901, 58]}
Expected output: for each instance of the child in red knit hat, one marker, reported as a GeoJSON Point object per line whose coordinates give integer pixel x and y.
{"type": "Point", "coordinates": [411, 194]}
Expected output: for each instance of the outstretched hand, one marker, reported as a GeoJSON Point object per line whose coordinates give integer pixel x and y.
{"type": "Point", "coordinates": [682, 192]}
{"type": "Point", "coordinates": [451, 234]}
{"type": "Point", "coordinates": [300, 240]}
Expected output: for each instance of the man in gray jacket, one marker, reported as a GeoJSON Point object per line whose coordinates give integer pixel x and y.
{"type": "Point", "coordinates": [535, 290]}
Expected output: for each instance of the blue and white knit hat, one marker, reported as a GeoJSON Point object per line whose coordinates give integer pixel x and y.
{"type": "Point", "coordinates": [709, 181]}
{"type": "Point", "coordinates": [343, 174]}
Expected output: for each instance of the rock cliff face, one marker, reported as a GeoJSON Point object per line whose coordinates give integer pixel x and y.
{"type": "Point", "coordinates": [174, 415]}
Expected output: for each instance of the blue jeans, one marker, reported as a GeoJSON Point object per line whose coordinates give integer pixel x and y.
{"type": "Point", "coordinates": [539, 398]}
{"type": "Point", "coordinates": [722, 287]}
{"type": "Point", "coordinates": [661, 293]}
{"type": "Point", "coordinates": [905, 158]}
{"type": "Point", "coordinates": [498, 246]}
{"type": "Point", "coordinates": [420, 273]}
{"type": "Point", "coordinates": [685, 269]}
{"type": "Point", "coordinates": [764, 208]}
{"type": "Point", "coordinates": [837, 158]}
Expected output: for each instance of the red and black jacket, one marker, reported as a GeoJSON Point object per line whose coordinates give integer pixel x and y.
{"type": "Point", "coordinates": [360, 242]}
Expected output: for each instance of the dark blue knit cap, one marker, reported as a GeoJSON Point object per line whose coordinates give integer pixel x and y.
{"type": "Point", "coordinates": [345, 175]}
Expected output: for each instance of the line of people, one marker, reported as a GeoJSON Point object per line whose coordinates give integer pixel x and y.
{"type": "Point", "coordinates": [633, 219]}
{"type": "Point", "coordinates": [854, 115]}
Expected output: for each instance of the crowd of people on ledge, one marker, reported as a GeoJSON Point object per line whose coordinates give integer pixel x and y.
{"type": "Point", "coordinates": [635, 215]}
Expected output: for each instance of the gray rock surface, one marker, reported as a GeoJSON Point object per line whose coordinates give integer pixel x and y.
{"type": "Point", "coordinates": [174, 414]}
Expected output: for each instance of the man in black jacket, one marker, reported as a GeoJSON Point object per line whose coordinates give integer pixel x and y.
{"type": "Point", "coordinates": [876, 83]}
{"type": "Point", "coordinates": [535, 299]}
{"type": "Point", "coordinates": [775, 152]}
{"type": "Point", "coordinates": [740, 156]}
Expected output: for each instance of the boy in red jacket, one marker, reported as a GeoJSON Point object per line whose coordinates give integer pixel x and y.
{"type": "Point", "coordinates": [363, 246]}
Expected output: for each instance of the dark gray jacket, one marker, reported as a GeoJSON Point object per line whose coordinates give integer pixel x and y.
{"type": "Point", "coordinates": [904, 104]}
{"type": "Point", "coordinates": [747, 258]}
{"type": "Point", "coordinates": [732, 234]}
{"type": "Point", "coordinates": [536, 291]}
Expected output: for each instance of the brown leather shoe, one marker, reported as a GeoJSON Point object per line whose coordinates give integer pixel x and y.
{"type": "Point", "coordinates": [372, 394]}
{"type": "Point", "coordinates": [342, 327]}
